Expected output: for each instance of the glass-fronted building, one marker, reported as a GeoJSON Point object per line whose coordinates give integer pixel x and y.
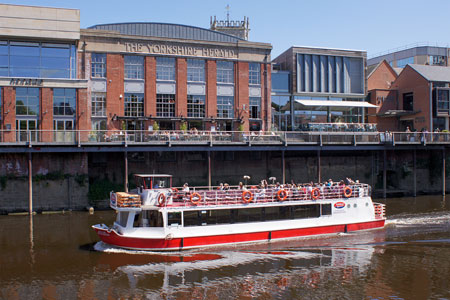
{"type": "Point", "coordinates": [318, 85]}
{"type": "Point", "coordinates": [421, 55]}
{"type": "Point", "coordinates": [39, 86]}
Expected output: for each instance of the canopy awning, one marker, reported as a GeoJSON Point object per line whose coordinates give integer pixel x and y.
{"type": "Point", "coordinates": [324, 104]}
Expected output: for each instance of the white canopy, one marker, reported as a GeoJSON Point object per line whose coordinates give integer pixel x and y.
{"type": "Point", "coordinates": [324, 104]}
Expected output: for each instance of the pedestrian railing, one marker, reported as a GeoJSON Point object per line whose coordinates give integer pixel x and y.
{"type": "Point", "coordinates": [136, 137]}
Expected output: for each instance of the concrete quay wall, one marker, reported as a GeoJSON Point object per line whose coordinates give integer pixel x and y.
{"type": "Point", "coordinates": [79, 180]}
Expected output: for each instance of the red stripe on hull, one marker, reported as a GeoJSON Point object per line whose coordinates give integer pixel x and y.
{"type": "Point", "coordinates": [178, 243]}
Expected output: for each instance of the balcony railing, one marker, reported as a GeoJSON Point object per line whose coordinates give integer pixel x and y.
{"type": "Point", "coordinates": [136, 137]}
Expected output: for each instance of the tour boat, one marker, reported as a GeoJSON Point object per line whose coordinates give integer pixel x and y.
{"type": "Point", "coordinates": [159, 217]}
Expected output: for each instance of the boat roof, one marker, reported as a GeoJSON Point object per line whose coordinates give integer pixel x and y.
{"type": "Point", "coordinates": [152, 175]}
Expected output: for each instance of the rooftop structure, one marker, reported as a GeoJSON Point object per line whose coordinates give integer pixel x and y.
{"type": "Point", "coordinates": [419, 54]}
{"type": "Point", "coordinates": [236, 28]}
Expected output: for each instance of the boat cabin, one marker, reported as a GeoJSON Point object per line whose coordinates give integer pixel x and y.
{"type": "Point", "coordinates": [152, 181]}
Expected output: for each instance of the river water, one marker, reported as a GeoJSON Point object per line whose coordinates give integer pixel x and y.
{"type": "Point", "coordinates": [58, 256]}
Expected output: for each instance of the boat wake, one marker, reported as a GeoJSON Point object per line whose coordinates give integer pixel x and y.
{"type": "Point", "coordinates": [434, 218]}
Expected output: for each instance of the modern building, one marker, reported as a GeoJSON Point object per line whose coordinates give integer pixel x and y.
{"type": "Point", "coordinates": [126, 76]}
{"type": "Point", "coordinates": [318, 85]}
{"type": "Point", "coordinates": [417, 97]}
{"type": "Point", "coordinates": [419, 55]}
{"type": "Point", "coordinates": [39, 85]}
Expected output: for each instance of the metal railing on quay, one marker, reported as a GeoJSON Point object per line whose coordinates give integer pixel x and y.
{"type": "Point", "coordinates": [144, 137]}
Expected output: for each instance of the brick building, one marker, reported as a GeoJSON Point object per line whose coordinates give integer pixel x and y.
{"type": "Point", "coordinates": [132, 76]}
{"type": "Point", "coordinates": [417, 97]}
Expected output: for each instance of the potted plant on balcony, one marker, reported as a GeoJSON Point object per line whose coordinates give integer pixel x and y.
{"type": "Point", "coordinates": [183, 126]}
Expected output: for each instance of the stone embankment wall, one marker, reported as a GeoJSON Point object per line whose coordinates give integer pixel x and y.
{"type": "Point", "coordinates": [76, 181]}
{"type": "Point", "coordinates": [60, 182]}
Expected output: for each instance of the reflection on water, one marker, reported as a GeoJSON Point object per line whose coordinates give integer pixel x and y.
{"type": "Point", "coordinates": [59, 257]}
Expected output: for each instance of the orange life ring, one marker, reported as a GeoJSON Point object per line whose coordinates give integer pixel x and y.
{"type": "Point", "coordinates": [280, 196]}
{"type": "Point", "coordinates": [247, 196]}
{"type": "Point", "coordinates": [195, 198]}
{"type": "Point", "coordinates": [315, 193]}
{"type": "Point", "coordinates": [254, 187]}
{"type": "Point", "coordinates": [161, 199]}
{"type": "Point", "coordinates": [174, 192]}
{"type": "Point", "coordinates": [347, 192]}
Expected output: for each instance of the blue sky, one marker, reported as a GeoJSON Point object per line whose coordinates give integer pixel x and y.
{"type": "Point", "coordinates": [374, 26]}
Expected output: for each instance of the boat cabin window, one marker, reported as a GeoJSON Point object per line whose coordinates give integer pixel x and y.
{"type": "Point", "coordinates": [149, 218]}
{"type": "Point", "coordinates": [152, 182]}
{"type": "Point", "coordinates": [174, 218]}
{"type": "Point", "coordinates": [326, 209]}
{"type": "Point", "coordinates": [245, 215]}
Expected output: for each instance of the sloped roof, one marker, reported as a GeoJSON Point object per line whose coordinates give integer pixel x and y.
{"type": "Point", "coordinates": [373, 68]}
{"type": "Point", "coordinates": [167, 30]}
{"type": "Point", "coordinates": [398, 70]}
{"type": "Point", "coordinates": [433, 73]}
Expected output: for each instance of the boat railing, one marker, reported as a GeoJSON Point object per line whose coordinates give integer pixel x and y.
{"type": "Point", "coordinates": [380, 210]}
{"type": "Point", "coordinates": [211, 197]}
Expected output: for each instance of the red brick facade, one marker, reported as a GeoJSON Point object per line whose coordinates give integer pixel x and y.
{"type": "Point", "coordinates": [266, 102]}
{"type": "Point", "coordinates": [181, 95]}
{"type": "Point", "coordinates": [387, 91]}
{"type": "Point", "coordinates": [46, 114]}
{"type": "Point", "coordinates": [9, 113]}
{"type": "Point", "coordinates": [241, 92]}
{"type": "Point", "coordinates": [211, 88]}
{"type": "Point", "coordinates": [114, 91]}
{"type": "Point", "coordinates": [150, 88]}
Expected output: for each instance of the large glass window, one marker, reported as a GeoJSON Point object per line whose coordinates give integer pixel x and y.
{"type": "Point", "coordinates": [438, 60]}
{"type": "Point", "coordinates": [255, 108]}
{"type": "Point", "coordinates": [254, 73]}
{"type": "Point", "coordinates": [165, 105]}
{"type": "Point", "coordinates": [26, 130]}
{"type": "Point", "coordinates": [134, 67]}
{"type": "Point", "coordinates": [225, 106]}
{"type": "Point", "coordinates": [442, 101]}
{"type": "Point", "coordinates": [165, 68]}
{"type": "Point", "coordinates": [24, 59]}
{"type": "Point", "coordinates": [64, 102]}
{"type": "Point", "coordinates": [98, 65]}
{"type": "Point", "coordinates": [280, 113]}
{"type": "Point", "coordinates": [45, 60]}
{"type": "Point", "coordinates": [280, 82]}
{"type": "Point", "coordinates": [134, 105]}
{"type": "Point", "coordinates": [27, 101]}
{"type": "Point", "coordinates": [4, 60]}
{"type": "Point", "coordinates": [225, 71]}
{"type": "Point", "coordinates": [98, 104]}
{"type": "Point", "coordinates": [408, 101]}
{"type": "Point", "coordinates": [401, 63]}
{"type": "Point", "coordinates": [196, 106]}
{"type": "Point", "coordinates": [55, 61]}
{"type": "Point", "coordinates": [196, 70]}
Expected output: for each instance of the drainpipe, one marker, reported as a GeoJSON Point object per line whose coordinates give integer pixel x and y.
{"type": "Point", "coordinates": [431, 107]}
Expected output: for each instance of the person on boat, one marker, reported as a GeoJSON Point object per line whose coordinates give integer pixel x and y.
{"type": "Point", "coordinates": [226, 187]}
{"type": "Point", "coordinates": [349, 181]}
{"type": "Point", "coordinates": [220, 187]}
{"type": "Point", "coordinates": [186, 188]}
{"type": "Point", "coordinates": [242, 187]}
{"type": "Point", "coordinates": [156, 185]}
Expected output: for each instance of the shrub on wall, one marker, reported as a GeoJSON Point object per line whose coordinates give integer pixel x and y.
{"type": "Point", "coordinates": [99, 190]}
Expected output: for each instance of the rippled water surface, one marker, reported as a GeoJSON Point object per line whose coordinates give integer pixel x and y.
{"type": "Point", "coordinates": [58, 256]}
